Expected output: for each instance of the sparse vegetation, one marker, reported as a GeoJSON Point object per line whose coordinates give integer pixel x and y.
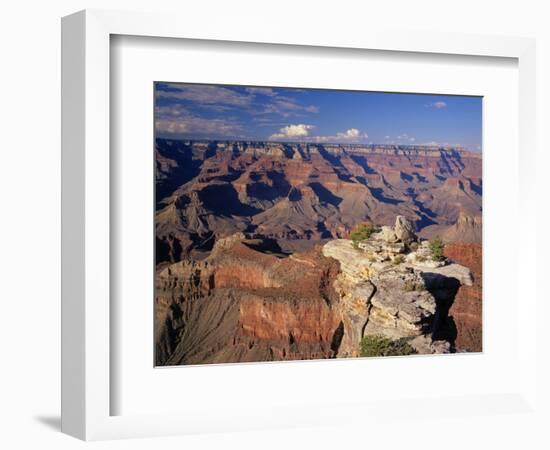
{"type": "Point", "coordinates": [378, 345]}
{"type": "Point", "coordinates": [411, 286]}
{"type": "Point", "coordinates": [421, 258]}
{"type": "Point", "coordinates": [413, 246]}
{"type": "Point", "coordinates": [399, 259]}
{"type": "Point", "coordinates": [437, 247]}
{"type": "Point", "coordinates": [361, 232]}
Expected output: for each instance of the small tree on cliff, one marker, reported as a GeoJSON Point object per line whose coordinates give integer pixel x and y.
{"type": "Point", "coordinates": [378, 345]}
{"type": "Point", "coordinates": [436, 247]}
{"type": "Point", "coordinates": [361, 232]}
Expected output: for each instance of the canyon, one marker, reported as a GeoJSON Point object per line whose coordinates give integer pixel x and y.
{"type": "Point", "coordinates": [254, 260]}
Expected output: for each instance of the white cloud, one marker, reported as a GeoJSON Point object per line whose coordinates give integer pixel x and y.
{"type": "Point", "coordinates": [301, 132]}
{"type": "Point", "coordinates": [176, 119]}
{"type": "Point", "coordinates": [351, 135]}
{"type": "Point", "coordinates": [197, 126]}
{"type": "Point", "coordinates": [292, 132]}
{"type": "Point", "coordinates": [437, 105]}
{"type": "Point", "coordinates": [176, 110]}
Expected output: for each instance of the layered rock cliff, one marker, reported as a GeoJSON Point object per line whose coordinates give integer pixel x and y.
{"type": "Point", "coordinates": [303, 194]}
{"type": "Point", "coordinates": [467, 309]}
{"type": "Point", "coordinates": [241, 303]}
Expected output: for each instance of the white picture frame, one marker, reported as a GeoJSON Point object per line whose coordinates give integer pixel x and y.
{"type": "Point", "coordinates": [86, 246]}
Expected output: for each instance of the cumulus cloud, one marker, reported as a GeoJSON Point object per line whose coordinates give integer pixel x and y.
{"type": "Point", "coordinates": [351, 135]}
{"type": "Point", "coordinates": [302, 132]}
{"type": "Point", "coordinates": [437, 105]}
{"type": "Point", "coordinates": [292, 132]}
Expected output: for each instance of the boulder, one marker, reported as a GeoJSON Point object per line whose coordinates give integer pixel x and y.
{"type": "Point", "coordinates": [404, 230]}
{"type": "Point", "coordinates": [386, 234]}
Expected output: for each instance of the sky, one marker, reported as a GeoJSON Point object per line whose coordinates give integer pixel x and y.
{"type": "Point", "coordinates": [220, 112]}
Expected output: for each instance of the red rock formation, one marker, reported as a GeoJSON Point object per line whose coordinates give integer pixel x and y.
{"type": "Point", "coordinates": [304, 192]}
{"type": "Point", "coordinates": [242, 305]}
{"type": "Point", "coordinates": [286, 324]}
{"type": "Point", "coordinates": [467, 306]}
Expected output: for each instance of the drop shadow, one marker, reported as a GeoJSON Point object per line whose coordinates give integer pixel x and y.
{"type": "Point", "coordinates": [51, 422]}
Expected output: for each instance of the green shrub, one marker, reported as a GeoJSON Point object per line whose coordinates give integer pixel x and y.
{"type": "Point", "coordinates": [377, 345]}
{"type": "Point", "coordinates": [398, 259]}
{"type": "Point", "coordinates": [360, 233]}
{"type": "Point", "coordinates": [413, 246]}
{"type": "Point", "coordinates": [413, 286]}
{"type": "Point", "coordinates": [437, 247]}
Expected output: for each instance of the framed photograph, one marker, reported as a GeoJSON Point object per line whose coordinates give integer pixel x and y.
{"type": "Point", "coordinates": [286, 231]}
{"type": "Point", "coordinates": [244, 209]}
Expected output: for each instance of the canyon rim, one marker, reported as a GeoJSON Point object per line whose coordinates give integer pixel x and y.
{"type": "Point", "coordinates": [297, 224]}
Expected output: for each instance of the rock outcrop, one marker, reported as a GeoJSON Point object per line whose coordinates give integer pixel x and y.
{"type": "Point", "coordinates": [404, 230]}
{"type": "Point", "coordinates": [466, 230]}
{"type": "Point", "coordinates": [388, 289]}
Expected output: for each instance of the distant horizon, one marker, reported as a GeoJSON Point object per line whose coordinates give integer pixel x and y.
{"type": "Point", "coordinates": [374, 144]}
{"type": "Point", "coordinates": [215, 112]}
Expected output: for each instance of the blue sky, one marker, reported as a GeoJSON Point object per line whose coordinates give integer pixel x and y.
{"type": "Point", "coordinates": [195, 111]}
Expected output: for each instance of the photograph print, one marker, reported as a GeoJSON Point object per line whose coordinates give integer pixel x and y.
{"type": "Point", "coordinates": [300, 224]}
